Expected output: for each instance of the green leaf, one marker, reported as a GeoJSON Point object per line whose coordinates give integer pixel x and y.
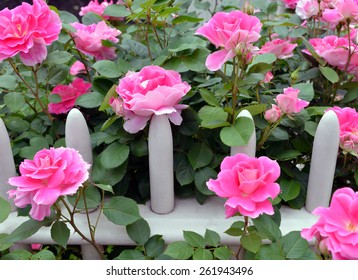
{"type": "Point", "coordinates": [58, 57]}
{"type": "Point", "coordinates": [106, 188]}
{"type": "Point", "coordinates": [294, 245]}
{"type": "Point", "coordinates": [201, 177]}
{"type": "Point", "coordinates": [182, 19]}
{"type": "Point", "coordinates": [311, 127]}
{"type": "Point", "coordinates": [18, 255]}
{"type": "Point", "coordinates": [90, 100]}
{"type": "Point", "coordinates": [209, 97]}
{"type": "Point", "coordinates": [114, 155]}
{"type": "Point", "coordinates": [121, 210]}
{"type": "Point", "coordinates": [212, 238]}
{"type": "Point", "coordinates": [222, 253]}
{"type": "Point", "coordinates": [236, 229]}
{"type": "Point", "coordinates": [154, 247]}
{"type": "Point", "coordinates": [27, 229]}
{"type": "Point", "coordinates": [238, 134]}
{"type": "Point", "coordinates": [60, 233]}
{"type": "Point", "coordinates": [107, 68]}
{"type": "Point", "coordinates": [184, 172]}
{"type": "Point", "coordinates": [306, 91]}
{"type": "Point", "coordinates": [107, 176]}
{"type": "Point", "coordinates": [139, 147]}
{"type": "Point", "coordinates": [57, 74]}
{"type": "Point", "coordinates": [115, 10]}
{"type": "Point", "coordinates": [190, 124]}
{"type": "Point", "coordinates": [213, 117]}
{"type": "Point", "coordinates": [352, 94]}
{"type": "Point", "coordinates": [356, 176]}
{"type": "Point", "coordinates": [311, 49]}
{"type": "Point", "coordinates": [54, 98]}
{"type": "Point", "coordinates": [179, 250]}
{"type": "Point", "coordinates": [17, 124]}
{"type": "Point", "coordinates": [93, 198]}
{"type": "Point", "coordinates": [265, 59]}
{"type": "Point", "coordinates": [255, 109]}
{"type": "Point", "coordinates": [135, 47]}
{"type": "Point", "coordinates": [8, 82]}
{"type": "Point", "coordinates": [289, 189]}
{"type": "Point", "coordinates": [15, 101]}
{"type": "Point", "coordinates": [194, 239]}
{"type": "Point", "coordinates": [91, 18]}
{"type": "Point", "coordinates": [202, 254]}
{"type": "Point", "coordinates": [267, 228]}
{"type": "Point", "coordinates": [44, 255]}
{"type": "Point", "coordinates": [251, 242]}
{"type": "Point", "coordinates": [4, 245]}
{"type": "Point", "coordinates": [199, 155]}
{"type": "Point", "coordinates": [130, 255]}
{"type": "Point", "coordinates": [287, 155]}
{"type": "Point", "coordinates": [110, 93]}
{"type": "Point", "coordinates": [330, 74]}
{"type": "Point", "coordinates": [186, 43]}
{"type": "Point", "coordinates": [270, 252]}
{"type": "Point", "coordinates": [139, 231]}
{"type": "Point", "coordinates": [5, 209]}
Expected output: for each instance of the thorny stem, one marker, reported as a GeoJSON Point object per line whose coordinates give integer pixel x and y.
{"type": "Point", "coordinates": [266, 133]}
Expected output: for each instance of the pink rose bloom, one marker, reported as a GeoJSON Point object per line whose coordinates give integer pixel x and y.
{"type": "Point", "coordinates": [291, 4]}
{"type": "Point", "coordinates": [89, 39]}
{"type": "Point", "coordinates": [152, 90]}
{"type": "Point", "coordinates": [306, 9]}
{"type": "Point", "coordinates": [26, 30]}
{"type": "Point", "coordinates": [95, 7]}
{"type": "Point", "coordinates": [77, 68]}
{"type": "Point", "coordinates": [273, 115]}
{"type": "Point", "coordinates": [280, 48]}
{"type": "Point", "coordinates": [51, 174]}
{"type": "Point", "coordinates": [233, 32]}
{"type": "Point", "coordinates": [117, 106]}
{"type": "Point", "coordinates": [248, 183]}
{"type": "Point", "coordinates": [348, 126]}
{"type": "Point", "coordinates": [289, 102]}
{"type": "Point", "coordinates": [268, 77]}
{"type": "Point", "coordinates": [69, 94]}
{"type": "Point", "coordinates": [338, 225]}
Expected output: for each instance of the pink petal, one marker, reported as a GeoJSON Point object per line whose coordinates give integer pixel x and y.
{"type": "Point", "coordinates": [215, 60]}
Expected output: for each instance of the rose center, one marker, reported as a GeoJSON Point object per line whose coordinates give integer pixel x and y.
{"type": "Point", "coordinates": [351, 227]}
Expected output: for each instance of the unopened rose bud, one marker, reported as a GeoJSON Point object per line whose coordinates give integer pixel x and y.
{"type": "Point", "coordinates": [273, 115]}
{"type": "Point", "coordinates": [248, 9]}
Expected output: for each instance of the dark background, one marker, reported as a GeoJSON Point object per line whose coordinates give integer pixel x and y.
{"type": "Point", "coordinates": [72, 6]}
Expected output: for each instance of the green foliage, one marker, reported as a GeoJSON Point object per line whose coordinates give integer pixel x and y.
{"type": "Point", "coordinates": [121, 211]}
{"type": "Point", "coordinates": [5, 209]}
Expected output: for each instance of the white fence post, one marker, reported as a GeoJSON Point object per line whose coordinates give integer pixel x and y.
{"type": "Point", "coordinates": [250, 148]}
{"type": "Point", "coordinates": [7, 169]}
{"type": "Point", "coordinates": [161, 169]}
{"type": "Point", "coordinates": [77, 136]}
{"type": "Point", "coordinates": [323, 162]}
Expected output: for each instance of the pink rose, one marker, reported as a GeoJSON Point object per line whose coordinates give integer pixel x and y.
{"type": "Point", "coordinates": [89, 39]}
{"type": "Point", "coordinates": [273, 115]}
{"type": "Point", "coordinates": [291, 4]}
{"type": "Point", "coordinates": [348, 126]}
{"type": "Point", "coordinates": [69, 94]}
{"type": "Point", "coordinates": [233, 32]}
{"type": "Point", "coordinates": [77, 68]}
{"type": "Point", "coordinates": [26, 30]}
{"type": "Point", "coordinates": [280, 48]}
{"type": "Point", "coordinates": [248, 183]}
{"type": "Point", "coordinates": [289, 102]}
{"type": "Point", "coordinates": [98, 8]}
{"type": "Point", "coordinates": [338, 225]}
{"type": "Point", "coordinates": [268, 77]}
{"type": "Point", "coordinates": [117, 106]}
{"type": "Point", "coordinates": [306, 9]}
{"type": "Point", "coordinates": [152, 90]}
{"type": "Point", "coordinates": [51, 174]}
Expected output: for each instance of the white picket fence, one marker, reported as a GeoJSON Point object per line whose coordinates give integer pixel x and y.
{"type": "Point", "coordinates": [165, 214]}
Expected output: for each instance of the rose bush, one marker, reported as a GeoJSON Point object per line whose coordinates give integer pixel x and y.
{"type": "Point", "coordinates": [121, 63]}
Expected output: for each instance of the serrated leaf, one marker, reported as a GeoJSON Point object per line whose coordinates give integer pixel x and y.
{"type": "Point", "coordinates": [213, 117]}
{"type": "Point", "coordinates": [60, 233]}
{"type": "Point", "coordinates": [121, 210]}
{"type": "Point", "coordinates": [330, 74]}
{"type": "Point", "coordinates": [199, 155]}
{"type": "Point", "coordinates": [251, 242]}
{"type": "Point", "coordinates": [184, 172]}
{"type": "Point", "coordinates": [8, 82]}
{"type": "Point", "coordinates": [130, 255]}
{"type": "Point", "coordinates": [222, 253]}
{"type": "Point", "coordinates": [58, 57]}
{"type": "Point", "coordinates": [106, 188]}
{"type": "Point", "coordinates": [270, 252]}
{"type": "Point", "coordinates": [15, 101]}
{"type": "Point", "coordinates": [115, 10]}
{"type": "Point", "coordinates": [114, 155]}
{"type": "Point", "coordinates": [194, 239]}
{"type": "Point", "coordinates": [5, 209]}
{"type": "Point", "coordinates": [202, 254]}
{"type": "Point", "coordinates": [18, 255]}
{"type": "Point", "coordinates": [27, 229]}
{"type": "Point", "coordinates": [107, 68]}
{"type": "Point", "coordinates": [44, 255]}
{"type": "Point", "coordinates": [236, 229]}
{"type": "Point", "coordinates": [289, 189]}
{"type": "Point", "coordinates": [238, 134]}
{"type": "Point", "coordinates": [139, 231]}
{"type": "Point", "coordinates": [179, 250]}
{"type": "Point", "coordinates": [154, 247]}
{"type": "Point", "coordinates": [209, 97]}
{"type": "Point", "coordinates": [92, 196]}
{"type": "Point", "coordinates": [201, 177]}
{"type": "Point", "coordinates": [267, 228]}
{"type": "Point", "coordinates": [185, 43]}
{"type": "Point", "coordinates": [3, 242]}
{"type": "Point", "coordinates": [212, 238]}
{"type": "Point", "coordinates": [90, 100]}
{"type": "Point", "coordinates": [294, 245]}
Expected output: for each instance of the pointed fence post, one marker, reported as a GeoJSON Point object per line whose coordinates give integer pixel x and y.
{"type": "Point", "coordinates": [250, 148]}
{"type": "Point", "coordinates": [161, 169]}
{"type": "Point", "coordinates": [78, 137]}
{"type": "Point", "coordinates": [7, 168]}
{"type": "Point", "coordinates": [323, 162]}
